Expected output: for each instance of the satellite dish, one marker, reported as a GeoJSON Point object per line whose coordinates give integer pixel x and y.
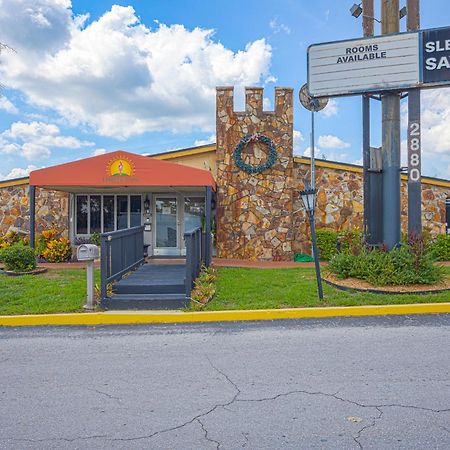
{"type": "Point", "coordinates": [311, 103]}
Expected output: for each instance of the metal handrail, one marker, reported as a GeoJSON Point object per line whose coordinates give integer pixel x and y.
{"type": "Point", "coordinates": [121, 251]}
{"type": "Point", "coordinates": [194, 257]}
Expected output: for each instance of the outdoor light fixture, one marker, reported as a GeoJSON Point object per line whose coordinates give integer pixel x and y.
{"type": "Point", "coordinates": [308, 196]}
{"type": "Point", "coordinates": [309, 199]}
{"type": "Point", "coordinates": [403, 12]}
{"type": "Point", "coordinates": [356, 10]}
{"type": "Point", "coordinates": [146, 203]}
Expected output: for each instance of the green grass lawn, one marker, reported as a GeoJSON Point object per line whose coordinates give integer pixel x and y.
{"type": "Point", "coordinates": [52, 292]}
{"type": "Point", "coordinates": [65, 291]}
{"type": "Point", "coordinates": [285, 288]}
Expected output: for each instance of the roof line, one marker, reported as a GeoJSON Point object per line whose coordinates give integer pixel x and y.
{"type": "Point", "coordinates": [15, 182]}
{"type": "Point", "coordinates": [185, 152]}
{"type": "Point", "coordinates": [358, 169]}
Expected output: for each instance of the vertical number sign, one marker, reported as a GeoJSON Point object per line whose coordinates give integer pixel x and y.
{"type": "Point", "coordinates": [414, 163]}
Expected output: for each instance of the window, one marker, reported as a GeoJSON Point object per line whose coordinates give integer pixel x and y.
{"type": "Point", "coordinates": [194, 211]}
{"type": "Point", "coordinates": [82, 214]}
{"type": "Point", "coordinates": [447, 214]}
{"type": "Point", "coordinates": [104, 213]}
{"type": "Point", "coordinates": [122, 212]}
{"type": "Point", "coordinates": [135, 210]}
{"type": "Point", "coordinates": [108, 213]}
{"type": "Point", "coordinates": [96, 213]}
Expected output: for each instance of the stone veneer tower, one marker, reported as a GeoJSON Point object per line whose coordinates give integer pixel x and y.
{"type": "Point", "coordinates": [254, 213]}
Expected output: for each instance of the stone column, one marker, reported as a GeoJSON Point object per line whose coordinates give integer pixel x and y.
{"type": "Point", "coordinates": [254, 211]}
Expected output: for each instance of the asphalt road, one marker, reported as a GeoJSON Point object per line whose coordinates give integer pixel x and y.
{"type": "Point", "coordinates": [372, 383]}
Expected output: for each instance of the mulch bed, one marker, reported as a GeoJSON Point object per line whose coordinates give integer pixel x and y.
{"type": "Point", "coordinates": [363, 286]}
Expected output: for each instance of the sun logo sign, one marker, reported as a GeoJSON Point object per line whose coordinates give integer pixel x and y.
{"type": "Point", "coordinates": [120, 167]}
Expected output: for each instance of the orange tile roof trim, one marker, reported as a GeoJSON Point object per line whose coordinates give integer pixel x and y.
{"type": "Point", "coordinates": [120, 168]}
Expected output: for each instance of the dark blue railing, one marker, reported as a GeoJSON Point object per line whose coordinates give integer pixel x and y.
{"type": "Point", "coordinates": [120, 252]}
{"type": "Point", "coordinates": [194, 257]}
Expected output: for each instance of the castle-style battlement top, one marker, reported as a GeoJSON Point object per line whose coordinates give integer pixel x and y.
{"type": "Point", "coordinates": [254, 98]}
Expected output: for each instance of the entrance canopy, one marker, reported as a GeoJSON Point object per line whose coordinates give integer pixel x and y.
{"type": "Point", "coordinates": [119, 169]}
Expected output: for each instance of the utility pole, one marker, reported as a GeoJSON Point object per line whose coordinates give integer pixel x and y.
{"type": "Point", "coordinates": [414, 139]}
{"type": "Point", "coordinates": [372, 181]}
{"type": "Point", "coordinates": [390, 105]}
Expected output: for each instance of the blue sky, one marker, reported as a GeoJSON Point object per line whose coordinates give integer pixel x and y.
{"type": "Point", "coordinates": [91, 77]}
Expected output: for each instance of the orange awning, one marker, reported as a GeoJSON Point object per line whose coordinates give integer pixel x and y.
{"type": "Point", "coordinates": [120, 168]}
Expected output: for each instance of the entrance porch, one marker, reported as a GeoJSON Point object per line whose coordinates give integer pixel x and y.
{"type": "Point", "coordinates": [140, 207]}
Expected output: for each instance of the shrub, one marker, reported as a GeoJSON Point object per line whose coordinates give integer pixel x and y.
{"type": "Point", "coordinates": [18, 258]}
{"type": "Point", "coordinates": [95, 238]}
{"type": "Point", "coordinates": [204, 288]}
{"type": "Point", "coordinates": [326, 243]}
{"type": "Point", "coordinates": [57, 250]}
{"type": "Point", "coordinates": [11, 238]}
{"type": "Point", "coordinates": [440, 248]}
{"type": "Point", "coordinates": [401, 266]}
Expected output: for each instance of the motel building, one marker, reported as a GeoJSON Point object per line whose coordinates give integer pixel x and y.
{"type": "Point", "coordinates": [253, 200]}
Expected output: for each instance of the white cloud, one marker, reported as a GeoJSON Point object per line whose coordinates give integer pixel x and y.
{"type": "Point", "coordinates": [331, 109]}
{"type": "Point", "coordinates": [34, 140]}
{"type": "Point", "coordinates": [278, 27]}
{"type": "Point", "coordinates": [298, 139]}
{"type": "Point", "coordinates": [330, 141]}
{"type": "Point", "coordinates": [18, 172]}
{"type": "Point", "coordinates": [267, 104]}
{"type": "Point", "coordinates": [330, 156]}
{"type": "Point", "coordinates": [435, 118]}
{"type": "Point", "coordinates": [115, 74]}
{"type": "Point", "coordinates": [99, 151]}
{"type": "Point", "coordinates": [209, 140]}
{"type": "Point", "coordinates": [7, 106]}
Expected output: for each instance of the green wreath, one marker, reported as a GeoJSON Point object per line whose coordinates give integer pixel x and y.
{"type": "Point", "coordinates": [271, 158]}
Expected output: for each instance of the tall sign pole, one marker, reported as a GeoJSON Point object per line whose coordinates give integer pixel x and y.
{"type": "Point", "coordinates": [390, 105]}
{"type": "Point", "coordinates": [414, 138]}
{"type": "Point", "coordinates": [370, 220]}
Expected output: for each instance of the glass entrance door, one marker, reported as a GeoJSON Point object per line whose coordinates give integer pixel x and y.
{"type": "Point", "coordinates": [166, 226]}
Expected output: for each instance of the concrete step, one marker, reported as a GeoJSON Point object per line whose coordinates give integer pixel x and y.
{"type": "Point", "coordinates": [147, 288]}
{"type": "Point", "coordinates": [146, 301]}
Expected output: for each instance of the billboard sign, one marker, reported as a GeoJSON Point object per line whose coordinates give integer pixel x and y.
{"type": "Point", "coordinates": [436, 56]}
{"type": "Point", "coordinates": [363, 65]}
{"type": "Point", "coordinates": [392, 62]}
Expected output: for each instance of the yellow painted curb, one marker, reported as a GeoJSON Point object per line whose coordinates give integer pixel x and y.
{"type": "Point", "coordinates": [136, 317]}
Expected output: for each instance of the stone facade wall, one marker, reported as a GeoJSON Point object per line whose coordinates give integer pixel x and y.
{"type": "Point", "coordinates": [340, 203]}
{"type": "Point", "coordinates": [52, 210]}
{"type": "Point", "coordinates": [254, 215]}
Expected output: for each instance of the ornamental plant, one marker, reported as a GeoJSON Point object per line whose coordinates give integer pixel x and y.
{"type": "Point", "coordinates": [57, 250]}
{"type": "Point", "coordinates": [409, 264]}
{"type": "Point", "coordinates": [440, 248]}
{"type": "Point", "coordinates": [18, 258]}
{"type": "Point", "coordinates": [204, 287]}
{"type": "Point", "coordinates": [11, 238]}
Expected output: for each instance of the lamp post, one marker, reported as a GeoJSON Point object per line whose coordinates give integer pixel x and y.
{"type": "Point", "coordinates": [309, 201]}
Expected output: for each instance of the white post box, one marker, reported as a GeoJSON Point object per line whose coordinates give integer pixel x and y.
{"type": "Point", "coordinates": [85, 252]}
{"type": "Point", "coordinates": [88, 252]}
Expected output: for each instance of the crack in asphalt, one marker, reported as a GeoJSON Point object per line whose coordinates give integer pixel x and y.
{"type": "Point", "coordinates": [195, 418]}
{"type": "Point", "coordinates": [364, 428]}
{"type": "Point", "coordinates": [206, 435]}
{"type": "Point", "coordinates": [103, 393]}
{"type": "Point", "coordinates": [235, 399]}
